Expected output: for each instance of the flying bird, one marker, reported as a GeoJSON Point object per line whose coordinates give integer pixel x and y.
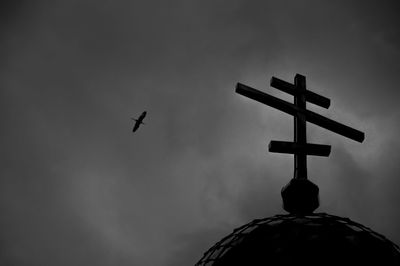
{"type": "Point", "coordinates": [139, 121]}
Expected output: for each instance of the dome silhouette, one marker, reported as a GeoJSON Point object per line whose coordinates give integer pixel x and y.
{"type": "Point", "coordinates": [315, 239]}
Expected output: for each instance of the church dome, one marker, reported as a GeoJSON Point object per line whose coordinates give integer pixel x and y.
{"type": "Point", "coordinates": [314, 239]}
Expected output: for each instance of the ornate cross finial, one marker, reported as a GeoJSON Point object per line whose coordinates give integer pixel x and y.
{"type": "Point", "coordinates": [300, 196]}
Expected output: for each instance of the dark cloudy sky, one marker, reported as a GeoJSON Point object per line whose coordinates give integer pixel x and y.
{"type": "Point", "coordinates": [78, 188]}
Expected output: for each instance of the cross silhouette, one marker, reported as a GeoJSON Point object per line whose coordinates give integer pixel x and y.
{"type": "Point", "coordinates": [295, 197]}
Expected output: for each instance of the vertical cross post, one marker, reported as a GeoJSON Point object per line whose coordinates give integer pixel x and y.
{"type": "Point", "coordinates": [300, 131]}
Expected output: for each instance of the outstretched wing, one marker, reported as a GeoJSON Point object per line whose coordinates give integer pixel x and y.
{"type": "Point", "coordinates": [141, 117]}
{"type": "Point", "coordinates": [136, 126]}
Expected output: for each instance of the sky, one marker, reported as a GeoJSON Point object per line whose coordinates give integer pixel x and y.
{"type": "Point", "coordinates": [77, 187]}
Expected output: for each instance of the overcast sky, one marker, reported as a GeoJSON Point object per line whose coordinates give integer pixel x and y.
{"type": "Point", "coordinates": [77, 187]}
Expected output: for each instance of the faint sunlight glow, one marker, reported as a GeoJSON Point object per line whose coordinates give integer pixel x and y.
{"type": "Point", "coordinates": [378, 135]}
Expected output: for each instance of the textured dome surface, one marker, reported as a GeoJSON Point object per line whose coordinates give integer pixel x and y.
{"type": "Point", "coordinates": [316, 239]}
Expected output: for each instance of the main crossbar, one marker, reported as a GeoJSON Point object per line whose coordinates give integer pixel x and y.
{"type": "Point", "coordinates": [291, 109]}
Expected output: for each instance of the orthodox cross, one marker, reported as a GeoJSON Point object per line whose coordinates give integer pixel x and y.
{"type": "Point", "coordinates": [300, 195]}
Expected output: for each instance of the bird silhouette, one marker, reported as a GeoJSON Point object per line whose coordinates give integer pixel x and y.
{"type": "Point", "coordinates": [139, 121]}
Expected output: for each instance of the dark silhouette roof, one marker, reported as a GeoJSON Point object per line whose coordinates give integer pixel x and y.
{"type": "Point", "coordinates": [315, 239]}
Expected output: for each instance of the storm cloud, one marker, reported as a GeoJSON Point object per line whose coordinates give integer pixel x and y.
{"type": "Point", "coordinates": [78, 188]}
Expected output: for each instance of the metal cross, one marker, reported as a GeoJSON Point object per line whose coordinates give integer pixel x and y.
{"type": "Point", "coordinates": [299, 147]}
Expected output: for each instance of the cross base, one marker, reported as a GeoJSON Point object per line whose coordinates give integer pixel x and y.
{"type": "Point", "coordinates": [300, 196]}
